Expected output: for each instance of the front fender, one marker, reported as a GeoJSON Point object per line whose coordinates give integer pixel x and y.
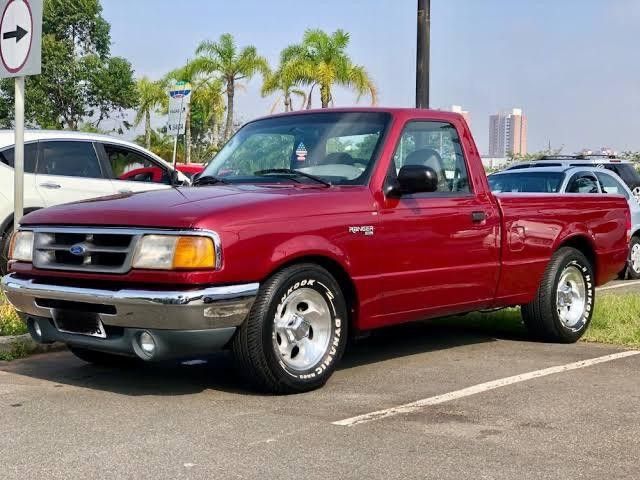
{"type": "Point", "coordinates": [308, 246]}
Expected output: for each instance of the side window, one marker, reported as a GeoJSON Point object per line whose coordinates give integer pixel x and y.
{"type": "Point", "coordinates": [70, 159]}
{"type": "Point", "coordinates": [583, 183]}
{"type": "Point", "coordinates": [611, 185]}
{"type": "Point", "coordinates": [30, 155]}
{"type": "Point", "coordinates": [129, 165]}
{"type": "Point", "coordinates": [435, 145]}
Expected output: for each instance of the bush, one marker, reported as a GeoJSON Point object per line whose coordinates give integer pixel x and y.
{"type": "Point", "coordinates": [10, 323]}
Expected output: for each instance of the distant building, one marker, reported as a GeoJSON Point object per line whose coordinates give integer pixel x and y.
{"type": "Point", "coordinates": [466, 115]}
{"type": "Point", "coordinates": [507, 134]}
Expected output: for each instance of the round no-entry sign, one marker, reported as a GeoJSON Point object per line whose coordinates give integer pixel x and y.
{"type": "Point", "coordinates": [16, 33]}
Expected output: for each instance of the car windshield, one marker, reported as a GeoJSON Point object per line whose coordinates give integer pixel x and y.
{"type": "Point", "coordinates": [518, 181]}
{"type": "Point", "coordinates": [336, 147]}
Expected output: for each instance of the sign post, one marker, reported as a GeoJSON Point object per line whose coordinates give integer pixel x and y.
{"type": "Point", "coordinates": [179, 100]}
{"type": "Point", "coordinates": [20, 55]}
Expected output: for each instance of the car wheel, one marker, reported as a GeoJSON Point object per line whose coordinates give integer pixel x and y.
{"type": "Point", "coordinates": [563, 306]}
{"type": "Point", "coordinates": [633, 266]}
{"type": "Point", "coordinates": [636, 193]}
{"type": "Point", "coordinates": [4, 249]}
{"type": "Point", "coordinates": [295, 333]}
{"type": "Point", "coordinates": [105, 359]}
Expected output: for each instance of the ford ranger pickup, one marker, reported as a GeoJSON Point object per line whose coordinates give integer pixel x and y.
{"type": "Point", "coordinates": [305, 227]}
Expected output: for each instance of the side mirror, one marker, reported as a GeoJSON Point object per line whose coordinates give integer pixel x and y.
{"type": "Point", "coordinates": [415, 179]}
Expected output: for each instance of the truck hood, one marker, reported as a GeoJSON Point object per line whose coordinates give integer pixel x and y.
{"type": "Point", "coordinates": [198, 206]}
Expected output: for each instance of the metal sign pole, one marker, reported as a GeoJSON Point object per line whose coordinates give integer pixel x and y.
{"type": "Point", "coordinates": [18, 167]}
{"type": "Point", "coordinates": [175, 143]}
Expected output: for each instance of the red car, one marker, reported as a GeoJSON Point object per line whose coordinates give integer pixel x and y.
{"type": "Point", "coordinates": [305, 227]}
{"type": "Point", "coordinates": [158, 175]}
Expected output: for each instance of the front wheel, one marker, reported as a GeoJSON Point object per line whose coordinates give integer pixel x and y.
{"type": "Point", "coordinates": [295, 333]}
{"type": "Point", "coordinates": [633, 265]}
{"type": "Point", "coordinates": [5, 238]}
{"type": "Point", "coordinates": [562, 308]}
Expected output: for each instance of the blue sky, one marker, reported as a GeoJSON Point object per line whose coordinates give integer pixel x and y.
{"type": "Point", "coordinates": [572, 65]}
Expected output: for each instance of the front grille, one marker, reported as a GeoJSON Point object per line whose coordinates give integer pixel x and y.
{"type": "Point", "coordinates": [100, 251]}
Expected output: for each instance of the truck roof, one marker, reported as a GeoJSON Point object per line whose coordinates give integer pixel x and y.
{"type": "Point", "coordinates": [395, 111]}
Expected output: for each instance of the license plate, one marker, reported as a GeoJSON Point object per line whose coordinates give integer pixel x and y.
{"type": "Point", "coordinates": [79, 323]}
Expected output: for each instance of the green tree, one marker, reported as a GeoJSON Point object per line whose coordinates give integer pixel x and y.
{"type": "Point", "coordinates": [162, 145]}
{"type": "Point", "coordinates": [79, 80]}
{"type": "Point", "coordinates": [284, 82]}
{"type": "Point", "coordinates": [224, 58]}
{"type": "Point", "coordinates": [152, 96]}
{"type": "Point", "coordinates": [207, 112]}
{"type": "Point", "coordinates": [321, 59]}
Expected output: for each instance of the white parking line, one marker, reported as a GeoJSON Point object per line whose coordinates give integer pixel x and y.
{"type": "Point", "coordinates": [475, 389]}
{"type": "Point", "coordinates": [619, 285]}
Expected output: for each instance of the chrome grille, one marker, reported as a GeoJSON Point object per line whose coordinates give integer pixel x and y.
{"type": "Point", "coordinates": [85, 250]}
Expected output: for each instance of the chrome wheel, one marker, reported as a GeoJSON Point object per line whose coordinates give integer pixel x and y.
{"type": "Point", "coordinates": [571, 298]}
{"type": "Point", "coordinates": [302, 329]}
{"type": "Point", "coordinates": [634, 258]}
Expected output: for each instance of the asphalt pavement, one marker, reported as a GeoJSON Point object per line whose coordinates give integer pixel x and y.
{"type": "Point", "coordinates": [61, 418]}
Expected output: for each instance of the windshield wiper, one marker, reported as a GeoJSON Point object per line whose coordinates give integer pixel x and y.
{"type": "Point", "coordinates": [208, 180]}
{"type": "Point", "coordinates": [291, 171]}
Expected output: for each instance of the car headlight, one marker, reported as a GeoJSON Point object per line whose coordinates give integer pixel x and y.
{"type": "Point", "coordinates": [175, 252]}
{"type": "Point", "coordinates": [21, 246]}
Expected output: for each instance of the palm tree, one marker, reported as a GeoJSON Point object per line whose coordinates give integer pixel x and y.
{"type": "Point", "coordinates": [322, 59]}
{"type": "Point", "coordinates": [224, 58]}
{"type": "Point", "coordinates": [208, 102]}
{"type": "Point", "coordinates": [284, 81]}
{"type": "Point", "coordinates": [152, 96]}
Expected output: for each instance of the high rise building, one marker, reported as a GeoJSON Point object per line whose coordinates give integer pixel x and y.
{"type": "Point", "coordinates": [508, 134]}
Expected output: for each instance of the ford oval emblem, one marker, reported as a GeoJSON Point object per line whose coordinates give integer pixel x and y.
{"type": "Point", "coordinates": [78, 250]}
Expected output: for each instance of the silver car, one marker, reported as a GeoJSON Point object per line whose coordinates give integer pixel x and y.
{"type": "Point", "coordinates": [568, 179]}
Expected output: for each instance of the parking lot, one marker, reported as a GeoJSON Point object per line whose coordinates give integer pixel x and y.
{"type": "Point", "coordinates": [62, 418]}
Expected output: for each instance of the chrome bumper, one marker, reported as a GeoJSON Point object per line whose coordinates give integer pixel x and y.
{"type": "Point", "coordinates": [202, 309]}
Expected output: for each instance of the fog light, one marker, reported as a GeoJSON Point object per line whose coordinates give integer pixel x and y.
{"type": "Point", "coordinates": [147, 344]}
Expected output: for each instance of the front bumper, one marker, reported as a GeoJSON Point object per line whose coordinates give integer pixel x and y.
{"type": "Point", "coordinates": [205, 310]}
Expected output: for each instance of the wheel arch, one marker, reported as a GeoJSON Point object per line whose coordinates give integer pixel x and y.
{"type": "Point", "coordinates": [584, 244]}
{"type": "Point", "coordinates": [338, 271]}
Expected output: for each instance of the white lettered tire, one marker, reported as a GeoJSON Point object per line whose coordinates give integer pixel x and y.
{"type": "Point", "coordinates": [295, 333]}
{"type": "Point", "coordinates": [563, 306]}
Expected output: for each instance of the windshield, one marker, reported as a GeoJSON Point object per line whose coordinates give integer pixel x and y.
{"type": "Point", "coordinates": [534, 182]}
{"type": "Point", "coordinates": [339, 148]}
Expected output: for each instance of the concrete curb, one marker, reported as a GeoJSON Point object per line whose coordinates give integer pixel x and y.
{"type": "Point", "coordinates": [26, 343]}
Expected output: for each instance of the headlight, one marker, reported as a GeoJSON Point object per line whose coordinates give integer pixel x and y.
{"type": "Point", "coordinates": [173, 252]}
{"type": "Point", "coordinates": [21, 246]}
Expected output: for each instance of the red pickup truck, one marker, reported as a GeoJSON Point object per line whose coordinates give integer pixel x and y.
{"type": "Point", "coordinates": [307, 226]}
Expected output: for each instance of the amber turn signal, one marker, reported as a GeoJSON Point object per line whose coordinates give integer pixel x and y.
{"type": "Point", "coordinates": [193, 253]}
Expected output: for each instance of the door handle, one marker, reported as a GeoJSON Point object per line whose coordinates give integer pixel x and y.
{"type": "Point", "coordinates": [50, 185]}
{"type": "Point", "coordinates": [478, 217]}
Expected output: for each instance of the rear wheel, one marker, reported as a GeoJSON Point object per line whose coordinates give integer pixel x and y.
{"type": "Point", "coordinates": [105, 359]}
{"type": "Point", "coordinates": [563, 306]}
{"type": "Point", "coordinates": [633, 265]}
{"type": "Point", "coordinates": [296, 331]}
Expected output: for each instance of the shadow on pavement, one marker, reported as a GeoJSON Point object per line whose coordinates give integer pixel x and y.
{"type": "Point", "coordinates": [219, 373]}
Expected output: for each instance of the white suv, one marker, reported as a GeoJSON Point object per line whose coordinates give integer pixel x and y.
{"type": "Point", "coordinates": [62, 167]}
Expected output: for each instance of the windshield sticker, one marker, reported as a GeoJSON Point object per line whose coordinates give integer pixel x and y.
{"type": "Point", "coordinates": [301, 152]}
